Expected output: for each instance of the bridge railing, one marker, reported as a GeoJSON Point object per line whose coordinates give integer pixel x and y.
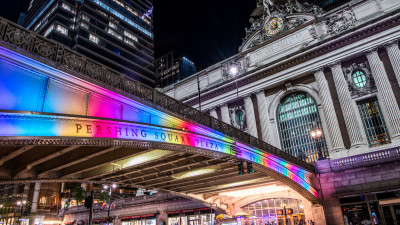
{"type": "Point", "coordinates": [30, 42]}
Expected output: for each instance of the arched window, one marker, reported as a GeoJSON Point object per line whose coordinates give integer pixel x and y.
{"type": "Point", "coordinates": [297, 114]}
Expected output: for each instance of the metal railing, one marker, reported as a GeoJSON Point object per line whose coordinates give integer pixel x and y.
{"type": "Point", "coordinates": [28, 41]}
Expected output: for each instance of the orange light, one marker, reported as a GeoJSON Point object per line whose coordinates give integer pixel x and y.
{"type": "Point", "coordinates": [289, 211]}
{"type": "Point", "coordinates": [280, 212]}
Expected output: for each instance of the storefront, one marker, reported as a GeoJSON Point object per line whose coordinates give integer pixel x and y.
{"type": "Point", "coordinates": [149, 219]}
{"type": "Point", "coordinates": [372, 208]}
{"type": "Point", "coordinates": [202, 216]}
{"type": "Point", "coordinates": [281, 211]}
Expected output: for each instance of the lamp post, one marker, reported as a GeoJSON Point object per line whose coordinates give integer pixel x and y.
{"type": "Point", "coordinates": [233, 71]}
{"type": "Point", "coordinates": [109, 189]}
{"type": "Point", "coordinates": [21, 205]}
{"type": "Point", "coordinates": [316, 134]}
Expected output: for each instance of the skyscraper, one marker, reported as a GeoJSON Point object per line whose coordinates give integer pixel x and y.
{"type": "Point", "coordinates": [116, 33]}
{"type": "Point", "coordinates": [171, 68]}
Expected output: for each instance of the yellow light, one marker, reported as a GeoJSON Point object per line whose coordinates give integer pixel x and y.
{"type": "Point", "coordinates": [253, 191]}
{"type": "Point", "coordinates": [52, 222]}
{"type": "Point", "coordinates": [143, 158]}
{"type": "Point", "coordinates": [195, 173]}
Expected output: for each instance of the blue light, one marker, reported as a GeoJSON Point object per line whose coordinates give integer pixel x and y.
{"type": "Point", "coordinates": [122, 17]}
{"type": "Point", "coordinates": [41, 12]}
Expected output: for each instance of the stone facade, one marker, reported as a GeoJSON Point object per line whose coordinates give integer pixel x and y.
{"type": "Point", "coordinates": [320, 57]}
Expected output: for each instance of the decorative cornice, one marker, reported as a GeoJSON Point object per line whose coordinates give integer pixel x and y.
{"type": "Point", "coordinates": [391, 44]}
{"type": "Point", "coordinates": [371, 50]}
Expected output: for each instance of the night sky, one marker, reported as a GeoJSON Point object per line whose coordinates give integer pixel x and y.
{"type": "Point", "coordinates": [206, 31]}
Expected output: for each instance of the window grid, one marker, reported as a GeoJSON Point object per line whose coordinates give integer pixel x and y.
{"type": "Point", "coordinates": [373, 122]}
{"type": "Point", "coordinates": [359, 78]}
{"type": "Point", "coordinates": [268, 208]}
{"type": "Point", "coordinates": [296, 114]}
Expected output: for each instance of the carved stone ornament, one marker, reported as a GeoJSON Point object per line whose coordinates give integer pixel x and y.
{"type": "Point", "coordinates": [270, 19]}
{"type": "Point", "coordinates": [340, 22]}
{"type": "Point", "coordinates": [368, 86]}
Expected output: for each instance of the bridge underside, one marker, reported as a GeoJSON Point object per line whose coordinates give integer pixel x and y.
{"type": "Point", "coordinates": [186, 173]}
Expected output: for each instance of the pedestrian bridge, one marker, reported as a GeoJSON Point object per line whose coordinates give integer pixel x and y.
{"type": "Point", "coordinates": [64, 117]}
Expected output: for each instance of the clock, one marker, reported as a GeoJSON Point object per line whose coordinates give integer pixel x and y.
{"type": "Point", "coordinates": [273, 26]}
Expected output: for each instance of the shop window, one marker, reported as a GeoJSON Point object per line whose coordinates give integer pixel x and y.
{"type": "Point", "coordinates": [297, 113]}
{"type": "Point", "coordinates": [373, 122]}
{"type": "Point", "coordinates": [356, 214]}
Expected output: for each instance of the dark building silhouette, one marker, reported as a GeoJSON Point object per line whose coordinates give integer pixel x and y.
{"type": "Point", "coordinates": [171, 68]}
{"type": "Point", "coordinates": [116, 33]}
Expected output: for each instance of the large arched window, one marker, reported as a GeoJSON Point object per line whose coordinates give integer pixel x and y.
{"type": "Point", "coordinates": [297, 114]}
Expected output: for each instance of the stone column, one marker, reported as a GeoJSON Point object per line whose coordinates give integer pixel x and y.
{"type": "Point", "coordinates": [35, 198]}
{"type": "Point", "coordinates": [394, 56]}
{"type": "Point", "coordinates": [264, 116]}
{"type": "Point", "coordinates": [250, 116]}
{"type": "Point", "coordinates": [225, 114]}
{"type": "Point", "coordinates": [213, 113]}
{"type": "Point", "coordinates": [329, 111]}
{"type": "Point", "coordinates": [346, 103]}
{"type": "Point", "coordinates": [385, 90]}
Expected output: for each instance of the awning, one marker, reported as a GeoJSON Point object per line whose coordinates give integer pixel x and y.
{"type": "Point", "coordinates": [134, 217]}
{"type": "Point", "coordinates": [190, 210]}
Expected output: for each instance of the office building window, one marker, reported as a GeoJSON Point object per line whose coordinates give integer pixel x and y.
{"type": "Point", "coordinates": [373, 122]}
{"type": "Point", "coordinates": [297, 114]}
{"type": "Point", "coordinates": [94, 38]}
{"type": "Point", "coordinates": [48, 31]}
{"type": "Point", "coordinates": [62, 29]}
{"type": "Point", "coordinates": [130, 35]}
{"type": "Point", "coordinates": [115, 34]}
{"type": "Point", "coordinates": [86, 18]}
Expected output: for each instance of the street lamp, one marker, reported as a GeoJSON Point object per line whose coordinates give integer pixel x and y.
{"type": "Point", "coordinates": [316, 134]}
{"type": "Point", "coordinates": [233, 71]}
{"type": "Point", "coordinates": [109, 188]}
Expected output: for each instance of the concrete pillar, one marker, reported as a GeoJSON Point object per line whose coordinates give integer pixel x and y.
{"type": "Point", "coordinates": [329, 111]}
{"type": "Point", "coordinates": [394, 56]}
{"type": "Point", "coordinates": [348, 107]}
{"type": "Point", "coordinates": [225, 114]}
{"type": "Point", "coordinates": [35, 198]}
{"type": "Point", "coordinates": [264, 117]}
{"type": "Point", "coordinates": [250, 116]}
{"type": "Point", "coordinates": [384, 88]}
{"type": "Point", "coordinates": [213, 113]}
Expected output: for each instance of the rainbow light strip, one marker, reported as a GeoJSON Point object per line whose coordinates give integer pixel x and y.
{"type": "Point", "coordinates": [42, 94]}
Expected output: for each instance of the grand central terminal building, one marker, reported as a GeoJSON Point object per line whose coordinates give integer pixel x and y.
{"type": "Point", "coordinates": [324, 87]}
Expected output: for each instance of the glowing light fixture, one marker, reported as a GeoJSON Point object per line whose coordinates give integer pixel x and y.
{"type": "Point", "coordinates": [253, 191]}
{"type": "Point", "coordinates": [195, 173]}
{"type": "Point", "coordinates": [233, 70]}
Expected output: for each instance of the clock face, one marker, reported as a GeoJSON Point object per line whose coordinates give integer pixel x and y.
{"type": "Point", "coordinates": [273, 26]}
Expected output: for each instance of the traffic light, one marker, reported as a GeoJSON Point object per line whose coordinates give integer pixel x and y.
{"type": "Point", "coordinates": [289, 211]}
{"type": "Point", "coordinates": [250, 168]}
{"type": "Point", "coordinates": [280, 212]}
{"type": "Point", "coordinates": [240, 168]}
{"type": "Point", "coordinates": [88, 202]}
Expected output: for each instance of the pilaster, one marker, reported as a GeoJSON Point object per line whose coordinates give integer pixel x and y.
{"type": "Point", "coordinates": [329, 111]}
{"type": "Point", "coordinates": [250, 116]}
{"type": "Point", "coordinates": [225, 114]}
{"type": "Point", "coordinates": [264, 116]}
{"type": "Point", "coordinates": [386, 93]}
{"type": "Point", "coordinates": [213, 113]}
{"type": "Point", "coordinates": [394, 56]}
{"type": "Point", "coordinates": [350, 114]}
